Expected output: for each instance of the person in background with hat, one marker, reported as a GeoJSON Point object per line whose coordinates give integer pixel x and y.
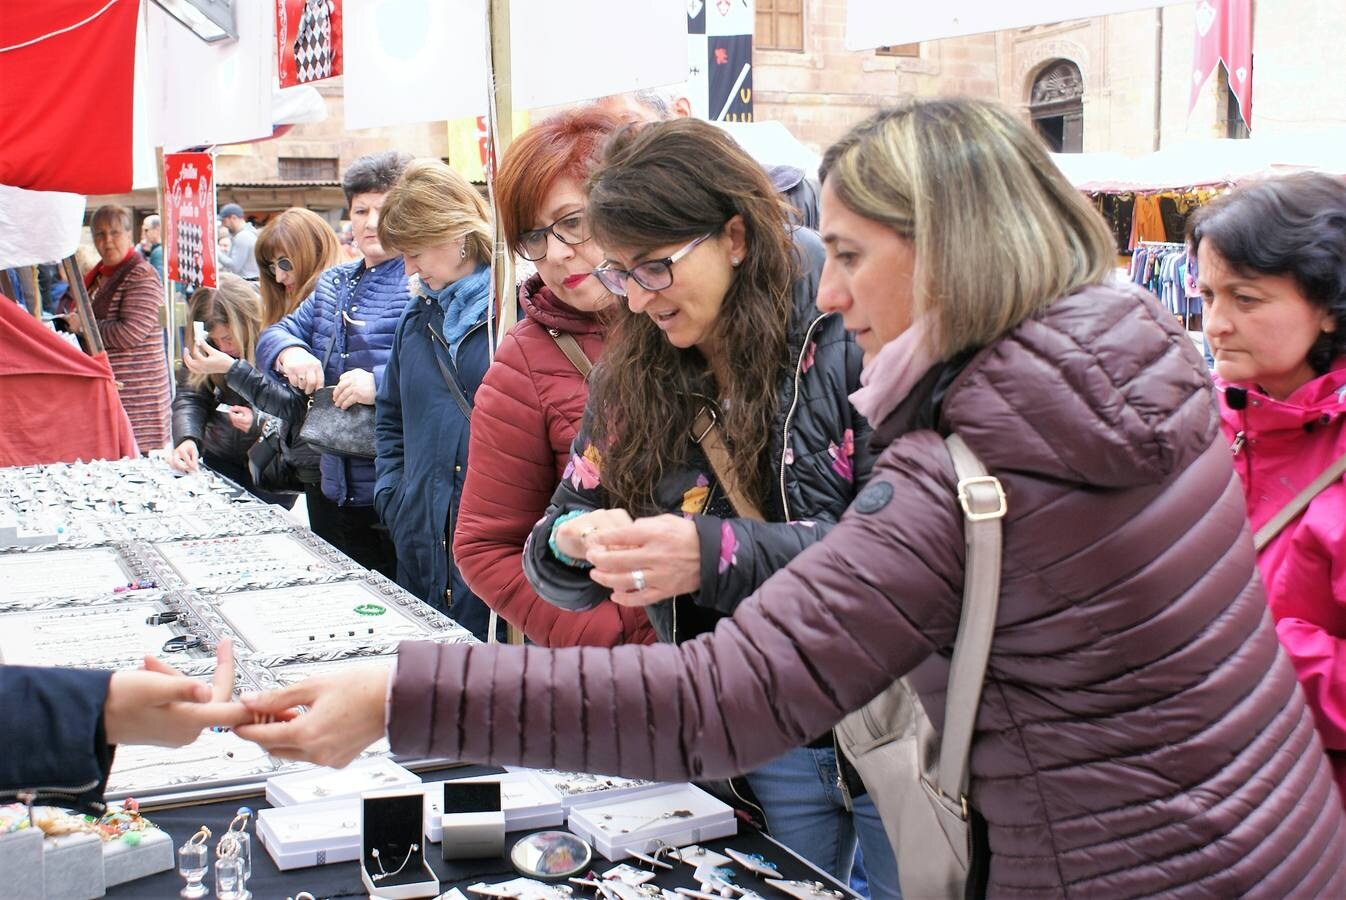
{"type": "Point", "coordinates": [242, 237]}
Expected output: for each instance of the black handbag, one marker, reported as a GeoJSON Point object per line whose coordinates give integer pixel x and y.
{"type": "Point", "coordinates": [330, 429]}
{"type": "Point", "coordinates": [269, 460]}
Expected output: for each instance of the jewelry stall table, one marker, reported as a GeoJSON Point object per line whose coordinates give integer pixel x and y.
{"type": "Point", "coordinates": [343, 879]}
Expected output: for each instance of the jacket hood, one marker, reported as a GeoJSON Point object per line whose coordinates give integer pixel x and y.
{"type": "Point", "coordinates": [545, 308]}
{"type": "Point", "coordinates": [1105, 365]}
{"type": "Point", "coordinates": [1319, 402]}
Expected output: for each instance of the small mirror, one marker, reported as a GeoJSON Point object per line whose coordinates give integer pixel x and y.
{"type": "Point", "coordinates": [551, 854]}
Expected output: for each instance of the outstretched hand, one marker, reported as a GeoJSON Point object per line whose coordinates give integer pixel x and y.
{"type": "Point", "coordinates": [345, 714]}
{"type": "Point", "coordinates": [158, 705]}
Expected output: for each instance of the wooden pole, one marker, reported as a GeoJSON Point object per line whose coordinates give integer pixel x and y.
{"type": "Point", "coordinates": [88, 331]}
{"type": "Point", "coordinates": [31, 293]}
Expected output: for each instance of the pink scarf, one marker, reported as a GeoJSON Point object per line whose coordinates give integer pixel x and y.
{"type": "Point", "coordinates": [893, 372]}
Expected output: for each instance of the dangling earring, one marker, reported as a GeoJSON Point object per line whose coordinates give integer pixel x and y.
{"type": "Point", "coordinates": [462, 251]}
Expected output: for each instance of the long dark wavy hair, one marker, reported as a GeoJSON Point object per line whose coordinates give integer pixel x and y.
{"type": "Point", "coordinates": [667, 183]}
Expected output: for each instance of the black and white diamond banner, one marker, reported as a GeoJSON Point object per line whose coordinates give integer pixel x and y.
{"type": "Point", "coordinates": [308, 40]}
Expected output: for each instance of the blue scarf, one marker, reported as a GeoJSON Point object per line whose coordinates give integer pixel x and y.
{"type": "Point", "coordinates": [464, 304]}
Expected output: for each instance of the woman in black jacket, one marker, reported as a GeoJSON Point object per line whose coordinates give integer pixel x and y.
{"type": "Point", "coordinates": [720, 345]}
{"type": "Point", "coordinates": [212, 421]}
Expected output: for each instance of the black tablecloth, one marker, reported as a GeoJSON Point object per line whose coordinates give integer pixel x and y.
{"type": "Point", "coordinates": [343, 879]}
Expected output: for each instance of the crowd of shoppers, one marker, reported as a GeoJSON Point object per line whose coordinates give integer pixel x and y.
{"type": "Point", "coordinates": [707, 477]}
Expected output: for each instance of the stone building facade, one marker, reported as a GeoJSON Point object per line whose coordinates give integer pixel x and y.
{"type": "Point", "coordinates": [1133, 71]}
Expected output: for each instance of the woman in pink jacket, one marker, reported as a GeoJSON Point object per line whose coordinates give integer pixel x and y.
{"type": "Point", "coordinates": [1272, 270]}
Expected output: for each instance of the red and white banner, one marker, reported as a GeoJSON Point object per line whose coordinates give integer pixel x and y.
{"type": "Point", "coordinates": [1224, 33]}
{"type": "Point", "coordinates": [189, 219]}
{"type": "Point", "coordinates": [308, 40]}
{"type": "Point", "coordinates": [67, 71]}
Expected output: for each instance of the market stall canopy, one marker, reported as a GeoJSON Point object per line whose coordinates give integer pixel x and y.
{"type": "Point", "coordinates": [1203, 163]}
{"type": "Point", "coordinates": [882, 23]}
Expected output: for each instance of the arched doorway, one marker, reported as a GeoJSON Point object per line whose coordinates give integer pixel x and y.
{"type": "Point", "coordinates": [1057, 106]}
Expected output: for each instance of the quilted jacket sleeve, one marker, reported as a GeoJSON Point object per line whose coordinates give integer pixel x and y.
{"type": "Point", "coordinates": [295, 330]}
{"type": "Point", "coordinates": [510, 479]}
{"type": "Point", "coordinates": [389, 438]}
{"type": "Point", "coordinates": [137, 318]}
{"type": "Point", "coordinates": [581, 489]}
{"type": "Point", "coordinates": [822, 637]}
{"type": "Point", "coordinates": [267, 395]}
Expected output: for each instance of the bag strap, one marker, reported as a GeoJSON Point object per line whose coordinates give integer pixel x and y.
{"type": "Point", "coordinates": [459, 396]}
{"type": "Point", "coordinates": [983, 501]}
{"type": "Point", "coordinates": [1296, 506]}
{"type": "Point", "coordinates": [573, 351]}
{"type": "Point", "coordinates": [705, 433]}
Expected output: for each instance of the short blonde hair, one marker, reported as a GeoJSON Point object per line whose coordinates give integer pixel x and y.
{"type": "Point", "coordinates": [997, 231]}
{"type": "Point", "coordinates": [430, 205]}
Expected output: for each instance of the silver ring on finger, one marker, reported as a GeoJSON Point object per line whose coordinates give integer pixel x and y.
{"type": "Point", "coordinates": [638, 579]}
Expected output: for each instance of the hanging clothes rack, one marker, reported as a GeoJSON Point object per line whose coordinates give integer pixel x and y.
{"type": "Point", "coordinates": [1167, 270]}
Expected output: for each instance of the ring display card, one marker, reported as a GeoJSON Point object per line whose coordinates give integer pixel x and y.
{"type": "Point", "coordinates": [322, 783]}
{"type": "Point", "coordinates": [252, 561]}
{"type": "Point", "coordinates": [677, 814]}
{"type": "Point", "coordinates": [580, 787]}
{"type": "Point", "coordinates": [50, 579]}
{"type": "Point", "coordinates": [114, 636]}
{"type": "Point", "coordinates": [314, 622]}
{"type": "Point", "coordinates": [112, 488]}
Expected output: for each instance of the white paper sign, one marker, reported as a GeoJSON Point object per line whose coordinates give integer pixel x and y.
{"type": "Point", "coordinates": [212, 93]}
{"type": "Point", "coordinates": [881, 23]}
{"type": "Point", "coordinates": [38, 226]}
{"type": "Point", "coordinates": [413, 61]}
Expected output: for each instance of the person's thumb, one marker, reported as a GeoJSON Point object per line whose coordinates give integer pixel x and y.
{"type": "Point", "coordinates": [274, 702]}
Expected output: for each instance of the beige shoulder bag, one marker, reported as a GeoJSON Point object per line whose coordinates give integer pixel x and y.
{"type": "Point", "coordinates": [917, 780]}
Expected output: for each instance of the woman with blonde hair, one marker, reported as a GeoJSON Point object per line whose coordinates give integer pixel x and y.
{"type": "Point", "coordinates": [292, 250]}
{"type": "Point", "coordinates": [441, 226]}
{"type": "Point", "coordinates": [1138, 731]}
{"type": "Point", "coordinates": [202, 430]}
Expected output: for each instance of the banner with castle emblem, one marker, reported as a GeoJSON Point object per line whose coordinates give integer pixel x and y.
{"type": "Point", "coordinates": [189, 219]}
{"type": "Point", "coordinates": [719, 59]}
{"type": "Point", "coordinates": [308, 40]}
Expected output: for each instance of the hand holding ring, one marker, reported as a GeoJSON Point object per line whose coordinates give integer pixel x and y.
{"type": "Point", "coordinates": [584, 535]}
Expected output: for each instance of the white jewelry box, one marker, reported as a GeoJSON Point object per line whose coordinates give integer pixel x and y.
{"type": "Point", "coordinates": [675, 814]}
{"type": "Point", "coordinates": [527, 801]}
{"type": "Point", "coordinates": [311, 834]}
{"type": "Point", "coordinates": [323, 784]}
{"type": "Point", "coordinates": [575, 788]}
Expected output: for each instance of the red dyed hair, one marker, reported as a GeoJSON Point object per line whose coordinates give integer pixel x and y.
{"type": "Point", "coordinates": [565, 145]}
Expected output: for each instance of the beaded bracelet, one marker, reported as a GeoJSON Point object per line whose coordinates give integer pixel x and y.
{"type": "Point", "coordinates": [556, 551]}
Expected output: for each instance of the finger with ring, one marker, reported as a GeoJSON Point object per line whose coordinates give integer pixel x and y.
{"type": "Point", "coordinates": [592, 529]}
{"type": "Point", "coordinates": [638, 579]}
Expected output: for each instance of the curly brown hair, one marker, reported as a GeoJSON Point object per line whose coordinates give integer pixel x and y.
{"type": "Point", "coordinates": [664, 183]}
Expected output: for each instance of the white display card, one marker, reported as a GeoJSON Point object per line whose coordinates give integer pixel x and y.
{"type": "Point", "coordinates": [305, 618]}
{"type": "Point", "coordinates": [33, 577]}
{"type": "Point", "coordinates": [581, 787]}
{"type": "Point", "coordinates": [231, 563]}
{"type": "Point", "coordinates": [111, 636]}
{"type": "Point", "coordinates": [322, 783]}
{"type": "Point", "coordinates": [213, 756]}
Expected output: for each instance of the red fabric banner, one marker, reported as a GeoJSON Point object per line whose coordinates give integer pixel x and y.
{"type": "Point", "coordinates": [308, 40]}
{"type": "Point", "coordinates": [67, 71]}
{"type": "Point", "coordinates": [1224, 33]}
{"type": "Point", "coordinates": [189, 219]}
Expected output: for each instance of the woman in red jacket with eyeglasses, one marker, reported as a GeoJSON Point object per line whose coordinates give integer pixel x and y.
{"type": "Point", "coordinates": [532, 398]}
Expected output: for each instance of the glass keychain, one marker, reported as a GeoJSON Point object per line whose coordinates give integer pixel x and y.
{"type": "Point", "coordinates": [193, 862]}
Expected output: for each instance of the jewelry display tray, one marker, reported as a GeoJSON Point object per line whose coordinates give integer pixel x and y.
{"type": "Point", "coordinates": [641, 821]}
{"type": "Point", "coordinates": [128, 540]}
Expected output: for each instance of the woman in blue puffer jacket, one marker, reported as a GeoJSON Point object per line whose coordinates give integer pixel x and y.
{"type": "Point", "coordinates": [342, 336]}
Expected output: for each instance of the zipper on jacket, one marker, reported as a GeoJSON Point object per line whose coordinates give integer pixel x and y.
{"type": "Point", "coordinates": [789, 414]}
{"type": "Point", "coordinates": [746, 802]}
{"type": "Point", "coordinates": [69, 793]}
{"type": "Point", "coordinates": [846, 799]}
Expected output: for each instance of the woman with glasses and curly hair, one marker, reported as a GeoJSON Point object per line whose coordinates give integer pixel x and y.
{"type": "Point", "coordinates": [292, 251]}
{"type": "Point", "coordinates": [718, 346]}
{"type": "Point", "coordinates": [532, 398]}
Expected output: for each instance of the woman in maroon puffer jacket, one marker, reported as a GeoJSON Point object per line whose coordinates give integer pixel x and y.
{"type": "Point", "coordinates": [532, 398]}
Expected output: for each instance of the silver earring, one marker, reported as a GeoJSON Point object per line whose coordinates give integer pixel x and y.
{"type": "Point", "coordinates": [733, 260]}
{"type": "Point", "coordinates": [462, 252]}
{"type": "Point", "coordinates": [382, 873]}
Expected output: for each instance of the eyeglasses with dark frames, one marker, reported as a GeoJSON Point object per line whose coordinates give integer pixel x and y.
{"type": "Point", "coordinates": [652, 275]}
{"type": "Point", "coordinates": [283, 264]}
{"type": "Point", "coordinates": [571, 229]}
